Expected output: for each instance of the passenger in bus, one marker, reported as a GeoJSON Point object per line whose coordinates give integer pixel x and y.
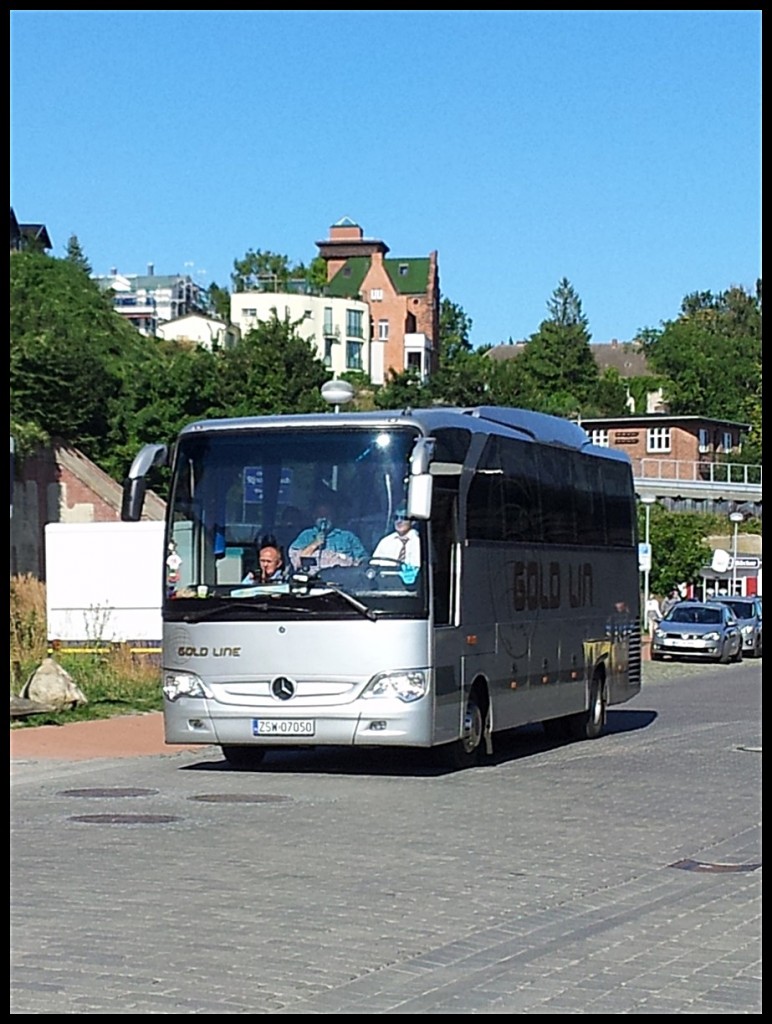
{"type": "Point", "coordinates": [270, 565]}
{"type": "Point", "coordinates": [324, 544]}
{"type": "Point", "coordinates": [402, 545]}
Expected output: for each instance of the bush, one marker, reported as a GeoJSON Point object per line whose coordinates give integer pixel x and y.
{"type": "Point", "coordinates": [28, 628]}
{"type": "Point", "coordinates": [114, 679]}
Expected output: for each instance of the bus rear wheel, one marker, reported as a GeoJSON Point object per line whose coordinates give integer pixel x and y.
{"type": "Point", "coordinates": [243, 757]}
{"type": "Point", "coordinates": [588, 725]}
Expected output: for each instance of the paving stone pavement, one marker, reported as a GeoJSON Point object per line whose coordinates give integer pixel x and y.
{"type": "Point", "coordinates": [621, 875]}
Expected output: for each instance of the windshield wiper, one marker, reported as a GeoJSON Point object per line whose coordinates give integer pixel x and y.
{"type": "Point", "coordinates": [215, 610]}
{"type": "Point", "coordinates": [309, 583]}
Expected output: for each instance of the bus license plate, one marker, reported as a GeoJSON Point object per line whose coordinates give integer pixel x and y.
{"type": "Point", "coordinates": [283, 726]}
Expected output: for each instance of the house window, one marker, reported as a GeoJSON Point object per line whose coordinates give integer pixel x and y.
{"type": "Point", "coordinates": [658, 439]}
{"type": "Point", "coordinates": [249, 312]}
{"type": "Point", "coordinates": [727, 442]}
{"type": "Point", "coordinates": [600, 437]}
{"type": "Point", "coordinates": [353, 355]}
{"type": "Point", "coordinates": [354, 323]}
{"type": "Point", "coordinates": [383, 330]}
{"type": "Point", "coordinates": [403, 269]}
{"type": "Point", "coordinates": [328, 343]}
{"type": "Point", "coordinates": [327, 328]}
{"type": "Point", "coordinates": [376, 294]}
{"type": "Point", "coordinates": [704, 440]}
{"type": "Point", "coordinates": [413, 361]}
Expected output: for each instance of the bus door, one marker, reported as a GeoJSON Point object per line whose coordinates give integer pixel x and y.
{"type": "Point", "coordinates": [449, 646]}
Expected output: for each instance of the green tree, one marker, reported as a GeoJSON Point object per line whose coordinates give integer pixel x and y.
{"type": "Point", "coordinates": [68, 353]}
{"type": "Point", "coordinates": [271, 371]}
{"type": "Point", "coordinates": [750, 412]}
{"type": "Point", "coordinates": [76, 255]}
{"type": "Point", "coordinates": [463, 375]}
{"type": "Point", "coordinates": [317, 275]}
{"type": "Point", "coordinates": [463, 380]}
{"type": "Point", "coordinates": [218, 300]}
{"type": "Point", "coordinates": [167, 386]}
{"type": "Point", "coordinates": [678, 546]}
{"type": "Point", "coordinates": [732, 313]}
{"type": "Point", "coordinates": [454, 330]}
{"type": "Point", "coordinates": [710, 357]}
{"type": "Point", "coordinates": [402, 391]}
{"type": "Point", "coordinates": [558, 363]}
{"type": "Point", "coordinates": [565, 307]}
{"type": "Point", "coordinates": [261, 270]}
{"type": "Point", "coordinates": [609, 397]}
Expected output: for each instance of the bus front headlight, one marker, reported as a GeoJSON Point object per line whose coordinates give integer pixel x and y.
{"type": "Point", "coordinates": [184, 684]}
{"type": "Point", "coordinates": [406, 686]}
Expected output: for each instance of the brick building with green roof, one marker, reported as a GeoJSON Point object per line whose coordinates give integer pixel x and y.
{"type": "Point", "coordinates": [403, 294]}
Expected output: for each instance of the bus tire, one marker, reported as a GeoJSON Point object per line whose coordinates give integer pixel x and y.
{"type": "Point", "coordinates": [588, 725]}
{"type": "Point", "coordinates": [465, 752]}
{"type": "Point", "coordinates": [243, 757]}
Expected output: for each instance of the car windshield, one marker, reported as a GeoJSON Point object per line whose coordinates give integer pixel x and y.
{"type": "Point", "coordinates": [741, 609]}
{"type": "Point", "coordinates": [702, 616]}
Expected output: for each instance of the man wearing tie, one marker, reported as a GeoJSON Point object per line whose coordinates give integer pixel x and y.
{"type": "Point", "coordinates": [402, 545]}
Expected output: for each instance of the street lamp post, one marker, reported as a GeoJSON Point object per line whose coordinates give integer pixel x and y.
{"type": "Point", "coordinates": [736, 518]}
{"type": "Point", "coordinates": [647, 500]}
{"type": "Point", "coordinates": [337, 392]}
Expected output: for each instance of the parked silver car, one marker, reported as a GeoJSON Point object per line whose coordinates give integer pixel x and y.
{"type": "Point", "coordinates": [696, 629]}
{"type": "Point", "coordinates": [747, 611]}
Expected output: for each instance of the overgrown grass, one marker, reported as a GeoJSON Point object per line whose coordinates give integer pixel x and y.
{"type": "Point", "coordinates": [114, 681]}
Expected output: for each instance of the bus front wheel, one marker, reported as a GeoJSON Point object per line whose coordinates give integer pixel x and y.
{"type": "Point", "coordinates": [465, 752]}
{"type": "Point", "coordinates": [243, 757]}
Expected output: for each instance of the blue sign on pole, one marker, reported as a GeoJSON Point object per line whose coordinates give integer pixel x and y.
{"type": "Point", "coordinates": [644, 557]}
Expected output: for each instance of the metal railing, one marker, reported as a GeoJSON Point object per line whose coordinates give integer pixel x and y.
{"type": "Point", "coordinates": [697, 472]}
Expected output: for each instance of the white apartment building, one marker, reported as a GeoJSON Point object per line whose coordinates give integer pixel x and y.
{"type": "Point", "coordinates": [148, 300]}
{"type": "Point", "coordinates": [339, 329]}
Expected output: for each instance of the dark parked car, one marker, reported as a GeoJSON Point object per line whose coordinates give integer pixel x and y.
{"type": "Point", "coordinates": [697, 629]}
{"type": "Point", "coordinates": [747, 611]}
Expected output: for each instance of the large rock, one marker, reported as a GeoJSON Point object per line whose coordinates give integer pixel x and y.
{"type": "Point", "coordinates": [52, 685]}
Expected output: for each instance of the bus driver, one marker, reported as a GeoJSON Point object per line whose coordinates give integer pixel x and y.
{"type": "Point", "coordinates": [402, 545]}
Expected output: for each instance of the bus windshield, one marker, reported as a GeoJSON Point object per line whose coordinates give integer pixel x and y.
{"type": "Point", "coordinates": [329, 502]}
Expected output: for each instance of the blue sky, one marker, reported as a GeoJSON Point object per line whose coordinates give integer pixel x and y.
{"type": "Point", "coordinates": [620, 150]}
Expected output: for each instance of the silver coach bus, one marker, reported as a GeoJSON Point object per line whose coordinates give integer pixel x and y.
{"type": "Point", "coordinates": [519, 604]}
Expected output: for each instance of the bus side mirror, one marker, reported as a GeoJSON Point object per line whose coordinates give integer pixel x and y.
{"type": "Point", "coordinates": [419, 490]}
{"type": "Point", "coordinates": [134, 486]}
{"type": "Point", "coordinates": [133, 499]}
{"type": "Point", "coordinates": [419, 496]}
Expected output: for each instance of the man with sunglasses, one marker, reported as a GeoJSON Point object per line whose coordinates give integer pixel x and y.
{"type": "Point", "coordinates": [401, 546]}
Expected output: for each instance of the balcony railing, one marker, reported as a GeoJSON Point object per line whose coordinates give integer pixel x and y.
{"type": "Point", "coordinates": [697, 472]}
